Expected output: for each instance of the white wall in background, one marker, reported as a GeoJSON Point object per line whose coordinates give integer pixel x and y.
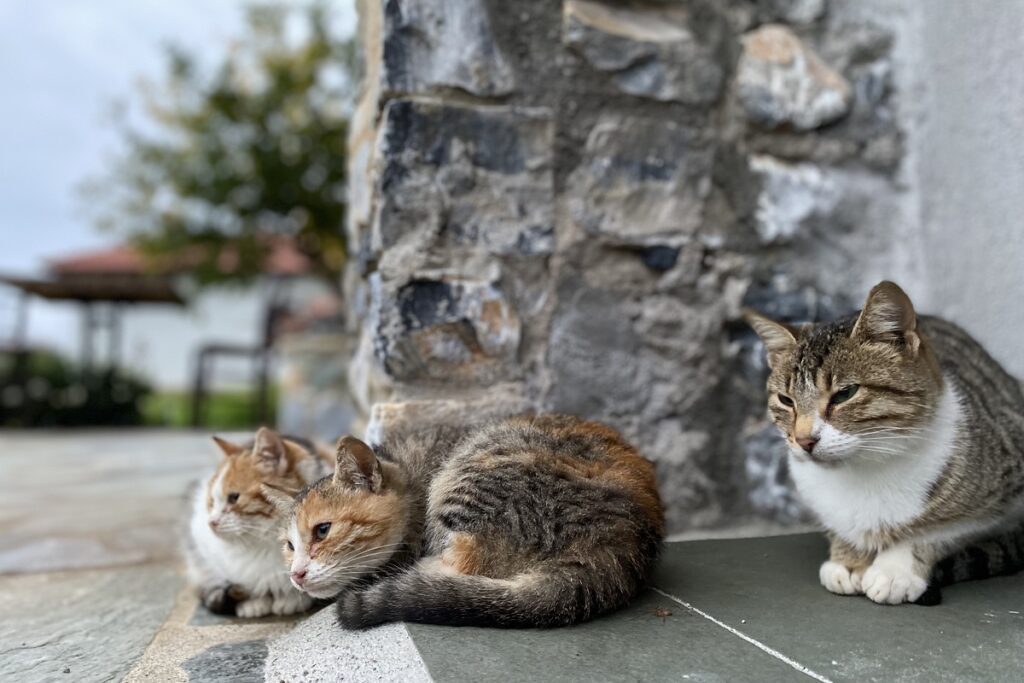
{"type": "Point", "coordinates": [967, 140]}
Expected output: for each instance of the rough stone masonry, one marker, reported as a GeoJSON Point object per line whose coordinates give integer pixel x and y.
{"type": "Point", "coordinates": [563, 206]}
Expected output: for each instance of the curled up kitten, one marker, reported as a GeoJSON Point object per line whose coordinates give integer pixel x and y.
{"type": "Point", "coordinates": [532, 521]}
{"type": "Point", "coordinates": [906, 438]}
{"type": "Point", "coordinates": [233, 548]}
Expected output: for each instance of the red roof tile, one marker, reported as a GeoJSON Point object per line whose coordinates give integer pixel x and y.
{"type": "Point", "coordinates": [284, 258]}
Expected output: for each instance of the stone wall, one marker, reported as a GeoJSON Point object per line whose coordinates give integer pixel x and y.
{"type": "Point", "coordinates": [563, 206]}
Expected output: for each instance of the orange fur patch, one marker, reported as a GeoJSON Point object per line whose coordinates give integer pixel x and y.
{"type": "Point", "coordinates": [359, 520]}
{"type": "Point", "coordinates": [243, 474]}
{"type": "Point", "coordinates": [464, 555]}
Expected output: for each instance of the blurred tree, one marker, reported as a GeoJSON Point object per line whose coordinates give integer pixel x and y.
{"type": "Point", "coordinates": [257, 149]}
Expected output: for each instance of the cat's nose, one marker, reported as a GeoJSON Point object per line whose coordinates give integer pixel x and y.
{"type": "Point", "coordinates": [214, 523]}
{"type": "Point", "coordinates": [299, 576]}
{"type": "Point", "coordinates": [806, 444]}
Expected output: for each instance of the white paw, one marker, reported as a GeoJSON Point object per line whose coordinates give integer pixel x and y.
{"type": "Point", "coordinates": [838, 579]}
{"type": "Point", "coordinates": [291, 603]}
{"type": "Point", "coordinates": [254, 607]}
{"type": "Point", "coordinates": [887, 586]}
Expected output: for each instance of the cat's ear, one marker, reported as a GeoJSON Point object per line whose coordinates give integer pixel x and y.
{"type": "Point", "coordinates": [270, 451]}
{"type": "Point", "coordinates": [888, 316]}
{"type": "Point", "coordinates": [227, 448]}
{"type": "Point", "coordinates": [357, 465]}
{"type": "Point", "coordinates": [778, 338]}
{"type": "Point", "coordinates": [281, 499]}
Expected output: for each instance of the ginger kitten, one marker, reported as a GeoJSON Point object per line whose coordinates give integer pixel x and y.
{"type": "Point", "coordinates": [532, 521]}
{"type": "Point", "coordinates": [234, 551]}
{"type": "Point", "coordinates": [906, 439]}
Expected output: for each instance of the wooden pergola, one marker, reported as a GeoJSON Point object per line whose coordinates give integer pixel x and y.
{"type": "Point", "coordinates": [102, 283]}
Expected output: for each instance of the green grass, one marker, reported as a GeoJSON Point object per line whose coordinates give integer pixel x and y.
{"type": "Point", "coordinates": [222, 410]}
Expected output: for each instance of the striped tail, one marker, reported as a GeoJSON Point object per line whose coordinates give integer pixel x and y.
{"type": "Point", "coordinates": [559, 597]}
{"type": "Point", "coordinates": [999, 555]}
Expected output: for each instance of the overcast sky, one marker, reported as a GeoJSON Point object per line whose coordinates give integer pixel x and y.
{"type": "Point", "coordinates": [63, 64]}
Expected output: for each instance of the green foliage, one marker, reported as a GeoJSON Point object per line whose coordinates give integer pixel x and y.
{"type": "Point", "coordinates": [254, 150]}
{"type": "Point", "coordinates": [222, 409]}
{"type": "Point", "coordinates": [40, 389]}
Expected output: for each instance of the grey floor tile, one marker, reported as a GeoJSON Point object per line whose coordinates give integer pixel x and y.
{"type": "Point", "coordinates": [81, 626]}
{"type": "Point", "coordinates": [768, 588]}
{"type": "Point", "coordinates": [633, 645]}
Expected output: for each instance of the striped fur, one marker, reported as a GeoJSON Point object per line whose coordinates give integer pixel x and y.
{"type": "Point", "coordinates": [532, 521]}
{"type": "Point", "coordinates": [918, 471]}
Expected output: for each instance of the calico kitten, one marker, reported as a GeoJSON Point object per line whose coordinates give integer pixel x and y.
{"type": "Point", "coordinates": [234, 551]}
{"type": "Point", "coordinates": [907, 440]}
{"type": "Point", "coordinates": [532, 521]}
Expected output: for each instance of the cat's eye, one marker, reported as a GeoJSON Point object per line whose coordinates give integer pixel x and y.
{"type": "Point", "coordinates": [320, 530]}
{"type": "Point", "coordinates": [232, 498]}
{"type": "Point", "coordinates": [290, 546]}
{"type": "Point", "coordinates": [844, 394]}
{"type": "Point", "coordinates": [785, 400]}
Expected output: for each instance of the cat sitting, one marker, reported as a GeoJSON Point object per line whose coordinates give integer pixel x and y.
{"type": "Point", "coordinates": [233, 549]}
{"type": "Point", "coordinates": [906, 438]}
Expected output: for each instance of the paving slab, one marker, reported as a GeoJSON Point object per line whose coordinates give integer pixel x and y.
{"type": "Point", "coordinates": [318, 649]}
{"type": "Point", "coordinates": [723, 610]}
{"type": "Point", "coordinates": [641, 643]}
{"type": "Point", "coordinates": [111, 497]}
{"type": "Point", "coordinates": [83, 625]}
{"type": "Point", "coordinates": [767, 588]}
{"type": "Point", "coordinates": [193, 645]}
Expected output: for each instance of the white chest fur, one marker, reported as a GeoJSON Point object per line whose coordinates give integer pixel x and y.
{"type": "Point", "coordinates": [862, 496]}
{"type": "Point", "coordinates": [257, 566]}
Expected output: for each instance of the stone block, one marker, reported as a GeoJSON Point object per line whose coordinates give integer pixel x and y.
{"type": "Point", "coordinates": [790, 196]}
{"type": "Point", "coordinates": [318, 649]}
{"type": "Point", "coordinates": [313, 394]}
{"type": "Point", "coordinates": [653, 51]}
{"type": "Point", "coordinates": [448, 330]}
{"type": "Point", "coordinates": [782, 82]}
{"type": "Point", "coordinates": [792, 11]}
{"type": "Point", "coordinates": [640, 181]}
{"type": "Point", "coordinates": [463, 177]}
{"type": "Point", "coordinates": [228, 662]}
{"type": "Point", "coordinates": [593, 359]}
{"type": "Point", "coordinates": [432, 46]}
{"type": "Point", "coordinates": [769, 490]}
{"type": "Point", "coordinates": [496, 402]}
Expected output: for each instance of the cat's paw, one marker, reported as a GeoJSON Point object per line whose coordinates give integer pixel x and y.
{"type": "Point", "coordinates": [254, 607]}
{"type": "Point", "coordinates": [838, 579]}
{"type": "Point", "coordinates": [892, 586]}
{"type": "Point", "coordinates": [222, 599]}
{"type": "Point", "coordinates": [292, 602]}
{"type": "Point", "coordinates": [354, 611]}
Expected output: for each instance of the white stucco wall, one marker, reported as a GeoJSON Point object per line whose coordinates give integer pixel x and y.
{"type": "Point", "coordinates": [966, 125]}
{"type": "Point", "coordinates": [160, 342]}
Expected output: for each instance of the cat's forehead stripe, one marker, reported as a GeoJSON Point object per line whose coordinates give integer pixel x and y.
{"type": "Point", "coordinates": [816, 344]}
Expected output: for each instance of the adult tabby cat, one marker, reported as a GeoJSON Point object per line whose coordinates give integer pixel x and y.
{"type": "Point", "coordinates": [906, 439]}
{"type": "Point", "coordinates": [532, 521]}
{"type": "Point", "coordinates": [233, 549]}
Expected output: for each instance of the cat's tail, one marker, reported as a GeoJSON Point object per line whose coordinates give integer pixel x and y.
{"type": "Point", "coordinates": [556, 596]}
{"type": "Point", "coordinates": [997, 555]}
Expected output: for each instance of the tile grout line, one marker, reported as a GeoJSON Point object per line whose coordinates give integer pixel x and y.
{"type": "Point", "coordinates": [740, 634]}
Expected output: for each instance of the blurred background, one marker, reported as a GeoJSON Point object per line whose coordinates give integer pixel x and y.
{"type": "Point", "coordinates": [365, 216]}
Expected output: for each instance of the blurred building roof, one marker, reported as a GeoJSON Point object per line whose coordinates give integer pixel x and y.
{"type": "Point", "coordinates": [124, 274]}
{"type": "Point", "coordinates": [120, 289]}
{"type": "Point", "coordinates": [283, 258]}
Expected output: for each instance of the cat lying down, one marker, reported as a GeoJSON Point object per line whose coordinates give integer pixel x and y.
{"type": "Point", "coordinates": [532, 521]}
